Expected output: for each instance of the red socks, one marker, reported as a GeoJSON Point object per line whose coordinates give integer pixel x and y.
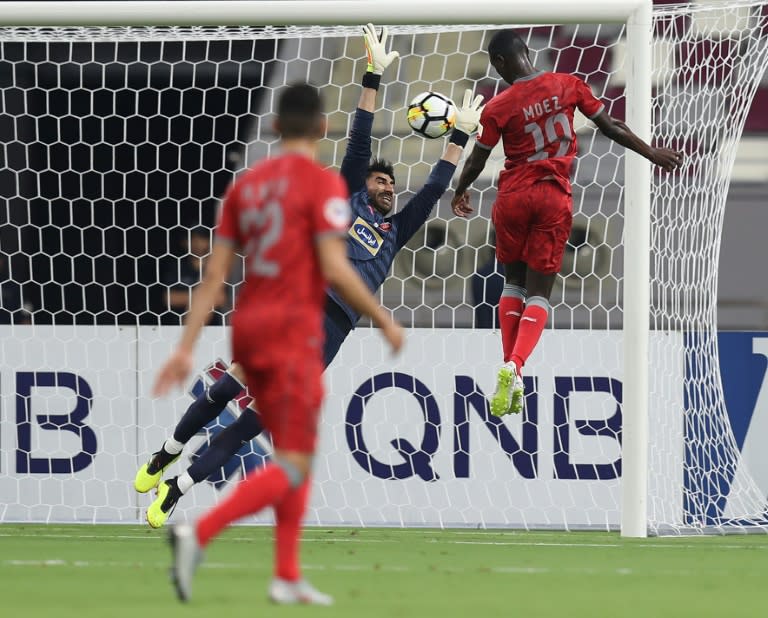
{"type": "Point", "coordinates": [269, 485]}
{"type": "Point", "coordinates": [510, 310]}
{"type": "Point", "coordinates": [532, 324]}
{"type": "Point", "coordinates": [289, 515]}
{"type": "Point", "coordinates": [522, 323]}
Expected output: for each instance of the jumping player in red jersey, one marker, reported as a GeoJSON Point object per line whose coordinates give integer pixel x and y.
{"type": "Point", "coordinates": [289, 216]}
{"type": "Point", "coordinates": [533, 210]}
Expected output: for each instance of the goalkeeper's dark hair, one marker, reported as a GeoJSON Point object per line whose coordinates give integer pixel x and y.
{"type": "Point", "coordinates": [508, 44]}
{"type": "Point", "coordinates": [299, 111]}
{"type": "Point", "coordinates": [383, 166]}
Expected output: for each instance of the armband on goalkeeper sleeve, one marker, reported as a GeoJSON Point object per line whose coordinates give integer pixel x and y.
{"type": "Point", "coordinates": [458, 137]}
{"type": "Point", "coordinates": [371, 80]}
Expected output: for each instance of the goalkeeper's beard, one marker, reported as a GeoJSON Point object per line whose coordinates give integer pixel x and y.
{"type": "Point", "coordinates": [383, 202]}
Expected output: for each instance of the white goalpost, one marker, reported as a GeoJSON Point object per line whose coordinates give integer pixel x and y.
{"type": "Point", "coordinates": [121, 124]}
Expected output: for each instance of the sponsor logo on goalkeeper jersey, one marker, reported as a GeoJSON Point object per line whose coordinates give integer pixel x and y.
{"type": "Point", "coordinates": [366, 235]}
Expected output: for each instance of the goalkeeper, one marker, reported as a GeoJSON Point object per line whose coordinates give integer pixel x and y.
{"type": "Point", "coordinates": [375, 237]}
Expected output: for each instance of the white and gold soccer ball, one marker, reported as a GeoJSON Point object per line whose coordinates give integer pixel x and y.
{"type": "Point", "coordinates": [431, 114]}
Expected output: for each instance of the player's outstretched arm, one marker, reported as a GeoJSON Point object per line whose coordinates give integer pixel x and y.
{"type": "Point", "coordinates": [179, 364]}
{"type": "Point", "coordinates": [378, 61]}
{"type": "Point", "coordinates": [342, 277]}
{"type": "Point", "coordinates": [474, 164]}
{"type": "Point", "coordinates": [354, 165]}
{"type": "Point", "coordinates": [465, 124]}
{"type": "Point", "coordinates": [419, 207]}
{"type": "Point", "coordinates": [468, 118]}
{"type": "Point", "coordinates": [615, 129]}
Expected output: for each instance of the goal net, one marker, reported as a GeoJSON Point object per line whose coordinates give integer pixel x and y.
{"type": "Point", "coordinates": [116, 144]}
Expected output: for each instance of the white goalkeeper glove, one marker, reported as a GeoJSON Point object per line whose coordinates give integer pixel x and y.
{"type": "Point", "coordinates": [467, 118]}
{"type": "Point", "coordinates": [375, 47]}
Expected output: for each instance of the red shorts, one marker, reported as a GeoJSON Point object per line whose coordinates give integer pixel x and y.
{"type": "Point", "coordinates": [533, 225]}
{"type": "Point", "coordinates": [286, 384]}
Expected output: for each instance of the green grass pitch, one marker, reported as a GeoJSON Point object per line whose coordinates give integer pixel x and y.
{"type": "Point", "coordinates": [84, 571]}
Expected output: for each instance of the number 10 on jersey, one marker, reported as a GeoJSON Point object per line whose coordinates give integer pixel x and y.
{"type": "Point", "coordinates": [545, 136]}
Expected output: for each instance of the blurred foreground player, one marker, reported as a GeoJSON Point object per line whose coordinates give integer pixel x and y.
{"type": "Point", "coordinates": [288, 216]}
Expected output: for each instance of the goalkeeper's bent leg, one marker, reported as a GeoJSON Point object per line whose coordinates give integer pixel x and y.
{"type": "Point", "coordinates": [225, 445]}
{"type": "Point", "coordinates": [207, 407]}
{"type": "Point", "coordinates": [202, 411]}
{"type": "Point", "coordinates": [222, 447]}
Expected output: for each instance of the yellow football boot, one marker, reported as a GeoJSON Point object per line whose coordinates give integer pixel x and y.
{"type": "Point", "coordinates": [508, 398]}
{"type": "Point", "coordinates": [150, 473]}
{"type": "Point", "coordinates": [168, 495]}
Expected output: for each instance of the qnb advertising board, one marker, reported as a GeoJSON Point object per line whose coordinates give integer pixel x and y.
{"type": "Point", "coordinates": [404, 441]}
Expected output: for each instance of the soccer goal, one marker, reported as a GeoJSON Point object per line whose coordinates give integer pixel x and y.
{"type": "Point", "coordinates": [121, 123]}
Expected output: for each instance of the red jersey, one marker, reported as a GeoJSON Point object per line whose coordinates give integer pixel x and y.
{"type": "Point", "coordinates": [534, 120]}
{"type": "Point", "coordinates": [273, 213]}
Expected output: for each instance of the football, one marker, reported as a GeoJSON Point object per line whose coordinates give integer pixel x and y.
{"type": "Point", "coordinates": [431, 114]}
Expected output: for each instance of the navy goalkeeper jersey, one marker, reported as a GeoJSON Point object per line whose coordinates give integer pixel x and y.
{"type": "Point", "coordinates": [374, 240]}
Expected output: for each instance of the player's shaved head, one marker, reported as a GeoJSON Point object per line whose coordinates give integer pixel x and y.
{"type": "Point", "coordinates": [508, 44]}
{"type": "Point", "coordinates": [508, 54]}
{"type": "Point", "coordinates": [300, 112]}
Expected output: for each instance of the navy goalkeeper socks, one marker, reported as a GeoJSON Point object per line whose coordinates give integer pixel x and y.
{"type": "Point", "coordinates": [207, 407]}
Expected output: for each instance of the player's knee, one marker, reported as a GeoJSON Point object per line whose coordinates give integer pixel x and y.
{"type": "Point", "coordinates": [248, 424]}
{"type": "Point", "coordinates": [539, 301]}
{"type": "Point", "coordinates": [295, 465]}
{"type": "Point", "coordinates": [236, 371]}
{"type": "Point", "coordinates": [226, 388]}
{"type": "Point", "coordinates": [515, 273]}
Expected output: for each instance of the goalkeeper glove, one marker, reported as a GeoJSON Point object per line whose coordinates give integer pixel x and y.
{"type": "Point", "coordinates": [378, 58]}
{"type": "Point", "coordinates": [467, 118]}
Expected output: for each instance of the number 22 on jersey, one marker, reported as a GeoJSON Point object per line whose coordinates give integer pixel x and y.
{"type": "Point", "coordinates": [262, 223]}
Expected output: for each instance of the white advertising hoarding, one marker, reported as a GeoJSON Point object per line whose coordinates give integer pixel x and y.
{"type": "Point", "coordinates": [422, 449]}
{"type": "Point", "coordinates": [68, 424]}
{"type": "Point", "coordinates": [404, 441]}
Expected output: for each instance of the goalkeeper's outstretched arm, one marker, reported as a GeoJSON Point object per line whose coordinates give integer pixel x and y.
{"type": "Point", "coordinates": [378, 61]}
{"type": "Point", "coordinates": [354, 166]}
{"type": "Point", "coordinates": [420, 206]}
